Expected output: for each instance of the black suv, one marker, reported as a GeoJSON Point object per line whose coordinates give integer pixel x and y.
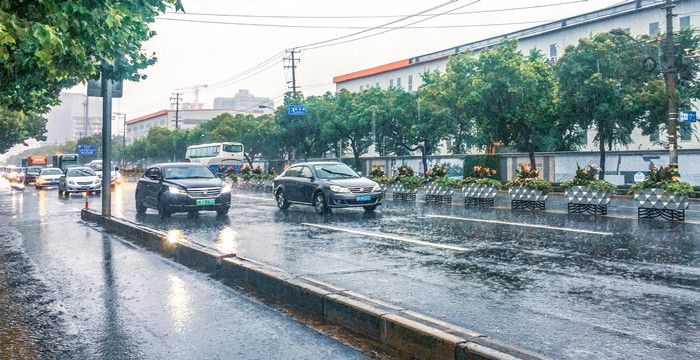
{"type": "Point", "coordinates": [326, 185]}
{"type": "Point", "coordinates": [182, 187]}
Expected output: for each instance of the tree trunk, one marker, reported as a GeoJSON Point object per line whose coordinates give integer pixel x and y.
{"type": "Point", "coordinates": [424, 156]}
{"type": "Point", "coordinates": [601, 146]}
{"type": "Point", "coordinates": [356, 155]}
{"type": "Point", "coordinates": [249, 159]}
{"type": "Point", "coordinates": [533, 163]}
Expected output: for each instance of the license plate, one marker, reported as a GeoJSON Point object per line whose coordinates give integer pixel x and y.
{"type": "Point", "coordinates": [363, 198]}
{"type": "Point", "coordinates": [205, 202]}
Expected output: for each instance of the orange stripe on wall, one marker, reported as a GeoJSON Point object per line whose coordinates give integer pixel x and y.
{"type": "Point", "coordinates": [371, 71]}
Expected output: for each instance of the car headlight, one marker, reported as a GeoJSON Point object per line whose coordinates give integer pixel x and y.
{"type": "Point", "coordinates": [40, 180]}
{"type": "Point", "coordinates": [225, 189]}
{"type": "Point", "coordinates": [339, 189]}
{"type": "Point", "coordinates": [176, 191]}
{"type": "Point", "coordinates": [376, 188]}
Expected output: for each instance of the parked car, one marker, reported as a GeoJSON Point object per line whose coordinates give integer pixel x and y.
{"type": "Point", "coordinates": [48, 177]}
{"type": "Point", "coordinates": [182, 187]}
{"type": "Point", "coordinates": [31, 174]}
{"type": "Point", "coordinates": [79, 179]}
{"type": "Point", "coordinates": [326, 185]}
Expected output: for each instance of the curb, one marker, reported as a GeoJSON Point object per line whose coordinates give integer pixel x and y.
{"type": "Point", "coordinates": [398, 329]}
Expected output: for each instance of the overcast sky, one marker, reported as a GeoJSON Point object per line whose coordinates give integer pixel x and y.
{"type": "Point", "coordinates": [201, 53]}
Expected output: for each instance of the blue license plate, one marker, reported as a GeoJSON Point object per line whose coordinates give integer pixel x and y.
{"type": "Point", "coordinates": [363, 198]}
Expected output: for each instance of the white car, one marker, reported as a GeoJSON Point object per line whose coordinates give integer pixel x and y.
{"type": "Point", "coordinates": [96, 166]}
{"type": "Point", "coordinates": [48, 177]}
{"type": "Point", "coordinates": [79, 179]}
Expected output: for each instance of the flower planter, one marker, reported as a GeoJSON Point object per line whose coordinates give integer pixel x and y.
{"type": "Point", "coordinates": [653, 203]}
{"type": "Point", "coordinates": [526, 198]}
{"type": "Point", "coordinates": [401, 193]}
{"type": "Point", "coordinates": [438, 194]}
{"type": "Point", "coordinates": [482, 195]}
{"type": "Point", "coordinates": [586, 201]}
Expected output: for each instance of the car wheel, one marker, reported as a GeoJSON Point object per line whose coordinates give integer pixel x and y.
{"type": "Point", "coordinates": [163, 210]}
{"type": "Point", "coordinates": [140, 208]}
{"type": "Point", "coordinates": [222, 211]}
{"type": "Point", "coordinates": [282, 201]}
{"type": "Point", "coordinates": [320, 203]}
{"type": "Point", "coordinates": [370, 208]}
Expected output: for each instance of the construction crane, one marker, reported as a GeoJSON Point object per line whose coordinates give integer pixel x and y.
{"type": "Point", "coordinates": [195, 90]}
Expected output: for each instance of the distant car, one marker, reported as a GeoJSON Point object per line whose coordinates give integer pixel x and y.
{"type": "Point", "coordinates": [48, 177]}
{"type": "Point", "coordinates": [31, 174]}
{"type": "Point", "coordinates": [326, 185]}
{"type": "Point", "coordinates": [79, 179]}
{"type": "Point", "coordinates": [182, 187]}
{"type": "Point", "coordinates": [96, 166]}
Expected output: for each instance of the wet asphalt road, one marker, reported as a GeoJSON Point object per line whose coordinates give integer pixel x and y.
{"type": "Point", "coordinates": [68, 291]}
{"type": "Point", "coordinates": [614, 288]}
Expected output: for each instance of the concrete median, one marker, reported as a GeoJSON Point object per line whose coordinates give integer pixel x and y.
{"type": "Point", "coordinates": [392, 327]}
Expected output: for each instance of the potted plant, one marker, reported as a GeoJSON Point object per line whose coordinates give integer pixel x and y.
{"type": "Point", "coordinates": [662, 194]}
{"type": "Point", "coordinates": [527, 190]}
{"type": "Point", "coordinates": [480, 187]}
{"type": "Point", "coordinates": [407, 187]}
{"type": "Point", "coordinates": [586, 194]}
{"type": "Point", "coordinates": [441, 189]}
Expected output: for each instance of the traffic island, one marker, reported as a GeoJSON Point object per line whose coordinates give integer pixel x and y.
{"type": "Point", "coordinates": [391, 327]}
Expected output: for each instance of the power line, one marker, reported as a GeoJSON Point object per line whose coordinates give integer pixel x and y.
{"type": "Point", "coordinates": [229, 83]}
{"type": "Point", "coordinates": [376, 27]}
{"type": "Point", "coordinates": [356, 27]}
{"type": "Point", "coordinates": [245, 72]}
{"type": "Point", "coordinates": [376, 16]}
{"type": "Point", "coordinates": [322, 45]}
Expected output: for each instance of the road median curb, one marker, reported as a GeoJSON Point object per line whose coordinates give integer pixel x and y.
{"type": "Point", "coordinates": [392, 327]}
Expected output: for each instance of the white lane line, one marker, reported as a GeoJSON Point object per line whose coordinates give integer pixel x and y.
{"type": "Point", "coordinates": [387, 236]}
{"type": "Point", "coordinates": [252, 197]}
{"type": "Point", "coordinates": [521, 224]}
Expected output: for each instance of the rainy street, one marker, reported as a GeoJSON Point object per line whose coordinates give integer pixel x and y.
{"type": "Point", "coordinates": [565, 286]}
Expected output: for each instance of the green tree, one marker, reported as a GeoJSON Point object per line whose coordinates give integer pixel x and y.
{"type": "Point", "coordinates": [302, 135]}
{"type": "Point", "coordinates": [353, 121]}
{"type": "Point", "coordinates": [601, 82]}
{"type": "Point", "coordinates": [257, 134]}
{"type": "Point", "coordinates": [17, 126]}
{"type": "Point", "coordinates": [517, 95]}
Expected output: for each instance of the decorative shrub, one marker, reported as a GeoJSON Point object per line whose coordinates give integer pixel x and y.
{"type": "Point", "coordinates": [448, 183]}
{"type": "Point", "coordinates": [482, 182]}
{"type": "Point", "coordinates": [481, 172]}
{"type": "Point", "coordinates": [376, 172]}
{"type": "Point", "coordinates": [492, 161]}
{"type": "Point", "coordinates": [264, 176]}
{"type": "Point", "coordinates": [384, 179]}
{"type": "Point", "coordinates": [272, 171]}
{"type": "Point", "coordinates": [666, 178]}
{"type": "Point", "coordinates": [436, 172]}
{"type": "Point", "coordinates": [257, 170]}
{"type": "Point", "coordinates": [529, 178]}
{"type": "Point", "coordinates": [246, 170]}
{"type": "Point", "coordinates": [404, 171]}
{"type": "Point", "coordinates": [586, 177]}
{"type": "Point", "coordinates": [411, 182]}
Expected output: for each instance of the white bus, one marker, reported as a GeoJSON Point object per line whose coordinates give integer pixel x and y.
{"type": "Point", "coordinates": [218, 156]}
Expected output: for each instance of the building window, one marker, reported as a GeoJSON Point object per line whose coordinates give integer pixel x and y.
{"type": "Point", "coordinates": [410, 83]}
{"type": "Point", "coordinates": [654, 136]}
{"type": "Point", "coordinates": [391, 82]}
{"type": "Point", "coordinates": [685, 22]}
{"type": "Point", "coordinates": [654, 29]}
{"type": "Point", "coordinates": [398, 83]}
{"type": "Point", "coordinates": [686, 131]}
{"type": "Point", "coordinates": [553, 53]}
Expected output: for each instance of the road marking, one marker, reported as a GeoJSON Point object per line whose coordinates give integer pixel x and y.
{"type": "Point", "coordinates": [387, 236]}
{"type": "Point", "coordinates": [521, 224]}
{"type": "Point", "coordinates": [252, 197]}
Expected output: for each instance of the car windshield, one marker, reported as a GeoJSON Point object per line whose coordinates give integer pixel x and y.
{"type": "Point", "coordinates": [187, 172]}
{"type": "Point", "coordinates": [33, 170]}
{"type": "Point", "coordinates": [334, 171]}
{"type": "Point", "coordinates": [51, 172]}
{"type": "Point", "coordinates": [80, 172]}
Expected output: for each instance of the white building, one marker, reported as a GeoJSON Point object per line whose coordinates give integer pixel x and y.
{"type": "Point", "coordinates": [636, 17]}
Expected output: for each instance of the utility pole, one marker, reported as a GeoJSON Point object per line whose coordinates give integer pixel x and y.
{"type": "Point", "coordinates": [177, 99]}
{"type": "Point", "coordinates": [293, 60]}
{"type": "Point", "coordinates": [671, 96]}
{"type": "Point", "coordinates": [106, 87]}
{"type": "Point", "coordinates": [86, 123]}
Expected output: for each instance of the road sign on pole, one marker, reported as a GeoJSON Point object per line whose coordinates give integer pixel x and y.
{"type": "Point", "coordinates": [87, 150]}
{"type": "Point", "coordinates": [687, 117]}
{"type": "Point", "coordinates": [297, 110]}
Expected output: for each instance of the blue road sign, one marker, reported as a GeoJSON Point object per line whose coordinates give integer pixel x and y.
{"type": "Point", "coordinates": [687, 117]}
{"type": "Point", "coordinates": [297, 110]}
{"type": "Point", "coordinates": [88, 150]}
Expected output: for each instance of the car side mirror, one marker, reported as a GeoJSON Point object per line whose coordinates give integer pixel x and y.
{"type": "Point", "coordinates": [154, 177]}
